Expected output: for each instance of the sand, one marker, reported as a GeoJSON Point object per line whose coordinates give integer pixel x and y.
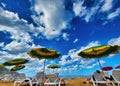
{"type": "Point", "coordinates": [70, 82]}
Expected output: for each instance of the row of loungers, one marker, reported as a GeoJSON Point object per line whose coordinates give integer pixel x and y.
{"type": "Point", "coordinates": [99, 78]}
{"type": "Point", "coordinates": [52, 79]}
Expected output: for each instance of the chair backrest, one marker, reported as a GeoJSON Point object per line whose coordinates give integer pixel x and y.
{"type": "Point", "coordinates": [99, 76]}
{"type": "Point", "coordinates": [52, 77]}
{"type": "Point", "coordinates": [21, 76]}
{"type": "Point", "coordinates": [8, 77]}
{"type": "Point", "coordinates": [116, 74]}
{"type": "Point", "coordinates": [40, 76]}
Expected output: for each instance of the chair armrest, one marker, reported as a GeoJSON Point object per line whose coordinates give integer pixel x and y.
{"type": "Point", "coordinates": [61, 80]}
{"type": "Point", "coordinates": [115, 79]}
{"type": "Point", "coordinates": [47, 80]}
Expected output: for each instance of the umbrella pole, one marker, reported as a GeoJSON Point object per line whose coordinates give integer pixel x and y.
{"type": "Point", "coordinates": [99, 62]}
{"type": "Point", "coordinates": [44, 71]}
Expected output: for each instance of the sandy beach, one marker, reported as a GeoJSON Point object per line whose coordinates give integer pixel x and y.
{"type": "Point", "coordinates": [70, 82]}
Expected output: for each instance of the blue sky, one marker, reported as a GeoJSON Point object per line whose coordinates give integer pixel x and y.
{"type": "Point", "coordinates": [67, 26]}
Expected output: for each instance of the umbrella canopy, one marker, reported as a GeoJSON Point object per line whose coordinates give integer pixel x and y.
{"type": "Point", "coordinates": [17, 67]}
{"type": "Point", "coordinates": [99, 51]}
{"type": "Point", "coordinates": [118, 66]}
{"type": "Point", "coordinates": [43, 53]}
{"type": "Point", "coordinates": [53, 66]}
{"type": "Point", "coordinates": [107, 68]}
{"type": "Point", "coordinates": [15, 62]}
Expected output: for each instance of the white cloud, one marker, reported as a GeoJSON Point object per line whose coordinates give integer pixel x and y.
{"type": "Point", "coordinates": [91, 44]}
{"type": "Point", "coordinates": [114, 41]}
{"type": "Point", "coordinates": [17, 47]}
{"type": "Point", "coordinates": [100, 10]}
{"type": "Point", "coordinates": [114, 14]}
{"type": "Point", "coordinates": [79, 9]}
{"type": "Point", "coordinates": [76, 40]}
{"type": "Point", "coordinates": [107, 5]}
{"type": "Point", "coordinates": [54, 17]}
{"type": "Point", "coordinates": [11, 23]}
{"type": "Point", "coordinates": [91, 66]}
{"type": "Point", "coordinates": [83, 12]}
{"type": "Point", "coordinates": [35, 64]}
{"type": "Point", "coordinates": [88, 65]}
{"type": "Point", "coordinates": [86, 62]}
{"type": "Point", "coordinates": [65, 36]}
{"type": "Point", "coordinates": [2, 44]}
{"type": "Point", "coordinates": [3, 4]}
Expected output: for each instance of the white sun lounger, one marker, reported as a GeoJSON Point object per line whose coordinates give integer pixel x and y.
{"type": "Point", "coordinates": [53, 79]}
{"type": "Point", "coordinates": [116, 76]}
{"type": "Point", "coordinates": [98, 78]}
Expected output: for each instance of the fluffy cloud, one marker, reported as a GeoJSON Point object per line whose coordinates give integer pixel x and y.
{"type": "Point", "coordinates": [107, 5]}
{"type": "Point", "coordinates": [17, 47]}
{"type": "Point", "coordinates": [11, 23]}
{"type": "Point", "coordinates": [51, 16]}
{"type": "Point", "coordinates": [84, 12]}
{"type": "Point", "coordinates": [101, 9]}
{"type": "Point", "coordinates": [96, 64]}
{"type": "Point", "coordinates": [114, 14]}
{"type": "Point", "coordinates": [65, 36]}
{"type": "Point", "coordinates": [2, 44]}
{"type": "Point", "coordinates": [114, 41]}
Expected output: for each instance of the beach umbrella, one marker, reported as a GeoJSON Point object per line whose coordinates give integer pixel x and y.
{"type": "Point", "coordinates": [15, 62]}
{"type": "Point", "coordinates": [118, 66]}
{"type": "Point", "coordinates": [53, 66]}
{"type": "Point", "coordinates": [17, 67]}
{"type": "Point", "coordinates": [43, 53]}
{"type": "Point", "coordinates": [99, 52]}
{"type": "Point", "coordinates": [107, 68]}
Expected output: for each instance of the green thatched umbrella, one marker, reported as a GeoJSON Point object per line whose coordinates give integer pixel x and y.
{"type": "Point", "coordinates": [53, 66]}
{"type": "Point", "coordinates": [43, 53]}
{"type": "Point", "coordinates": [99, 51]}
{"type": "Point", "coordinates": [17, 67]}
{"type": "Point", "coordinates": [15, 62]}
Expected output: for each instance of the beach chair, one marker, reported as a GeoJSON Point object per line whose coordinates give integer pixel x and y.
{"type": "Point", "coordinates": [53, 79]}
{"type": "Point", "coordinates": [98, 78]}
{"type": "Point", "coordinates": [30, 81]}
{"type": "Point", "coordinates": [7, 78]}
{"type": "Point", "coordinates": [116, 76]}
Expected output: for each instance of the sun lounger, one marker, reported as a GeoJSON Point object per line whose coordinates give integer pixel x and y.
{"type": "Point", "coordinates": [98, 78]}
{"type": "Point", "coordinates": [29, 81]}
{"type": "Point", "coordinates": [116, 76]}
{"type": "Point", "coordinates": [7, 78]}
{"type": "Point", "coordinates": [53, 79]}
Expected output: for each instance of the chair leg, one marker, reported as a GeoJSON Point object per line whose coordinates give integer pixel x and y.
{"type": "Point", "coordinates": [15, 83]}
{"type": "Point", "coordinates": [30, 83]}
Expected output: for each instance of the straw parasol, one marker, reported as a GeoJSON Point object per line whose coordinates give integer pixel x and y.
{"type": "Point", "coordinates": [17, 67]}
{"type": "Point", "coordinates": [53, 66]}
{"type": "Point", "coordinates": [43, 53]}
{"type": "Point", "coordinates": [99, 52]}
{"type": "Point", "coordinates": [15, 62]}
